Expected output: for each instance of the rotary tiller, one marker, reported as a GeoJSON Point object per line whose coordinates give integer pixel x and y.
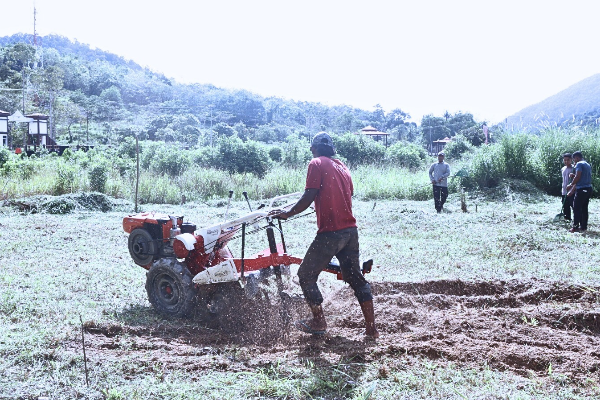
{"type": "Point", "coordinates": [188, 267]}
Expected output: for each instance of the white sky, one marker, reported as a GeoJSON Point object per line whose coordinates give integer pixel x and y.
{"type": "Point", "coordinates": [490, 58]}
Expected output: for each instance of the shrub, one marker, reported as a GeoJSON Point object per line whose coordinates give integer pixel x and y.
{"type": "Point", "coordinates": [98, 175]}
{"type": "Point", "coordinates": [27, 167]}
{"type": "Point", "coordinates": [203, 157]}
{"type": "Point", "coordinates": [127, 148]}
{"type": "Point", "coordinates": [406, 154]}
{"type": "Point", "coordinates": [359, 149]}
{"type": "Point", "coordinates": [170, 160]}
{"type": "Point", "coordinates": [516, 151]}
{"type": "Point", "coordinates": [487, 167]}
{"type": "Point", "coordinates": [457, 147]}
{"type": "Point", "coordinates": [148, 151]}
{"type": "Point", "coordinates": [275, 154]}
{"type": "Point", "coordinates": [297, 152]}
{"type": "Point", "coordinates": [65, 177]}
{"type": "Point", "coordinates": [236, 156]}
{"type": "Point", "coordinates": [4, 156]}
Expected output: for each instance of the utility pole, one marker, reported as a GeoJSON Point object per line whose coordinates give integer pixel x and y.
{"type": "Point", "coordinates": [34, 31]}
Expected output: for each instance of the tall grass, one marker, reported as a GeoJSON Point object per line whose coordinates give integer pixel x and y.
{"type": "Point", "coordinates": [536, 159]}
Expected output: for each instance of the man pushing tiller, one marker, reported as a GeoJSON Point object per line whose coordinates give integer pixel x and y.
{"type": "Point", "coordinates": [329, 185]}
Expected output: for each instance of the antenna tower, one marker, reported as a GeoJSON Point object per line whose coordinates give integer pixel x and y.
{"type": "Point", "coordinates": [34, 31]}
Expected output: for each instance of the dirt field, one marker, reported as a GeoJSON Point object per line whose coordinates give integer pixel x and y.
{"type": "Point", "coordinates": [493, 318]}
{"type": "Point", "coordinates": [524, 327]}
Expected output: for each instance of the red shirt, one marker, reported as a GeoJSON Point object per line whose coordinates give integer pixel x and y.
{"type": "Point", "coordinates": [333, 202]}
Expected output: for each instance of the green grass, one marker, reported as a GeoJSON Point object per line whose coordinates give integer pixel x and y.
{"type": "Point", "coordinates": [56, 268]}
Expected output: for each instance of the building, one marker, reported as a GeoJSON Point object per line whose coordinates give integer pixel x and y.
{"type": "Point", "coordinates": [438, 145]}
{"type": "Point", "coordinates": [375, 134]}
{"type": "Point", "coordinates": [4, 128]}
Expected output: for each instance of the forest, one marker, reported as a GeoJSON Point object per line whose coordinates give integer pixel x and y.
{"type": "Point", "coordinates": [94, 97]}
{"type": "Point", "coordinates": [198, 140]}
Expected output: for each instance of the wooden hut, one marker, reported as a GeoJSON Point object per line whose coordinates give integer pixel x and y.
{"type": "Point", "coordinates": [438, 145]}
{"type": "Point", "coordinates": [375, 134]}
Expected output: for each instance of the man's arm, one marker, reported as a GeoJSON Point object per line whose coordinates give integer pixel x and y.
{"type": "Point", "coordinates": [305, 201]}
{"type": "Point", "coordinates": [431, 169]}
{"type": "Point", "coordinates": [571, 186]}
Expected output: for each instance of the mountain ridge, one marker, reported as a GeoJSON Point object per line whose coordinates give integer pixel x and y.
{"type": "Point", "coordinates": [577, 104]}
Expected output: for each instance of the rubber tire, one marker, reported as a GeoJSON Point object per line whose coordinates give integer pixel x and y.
{"type": "Point", "coordinates": [170, 288]}
{"type": "Point", "coordinates": [142, 247]}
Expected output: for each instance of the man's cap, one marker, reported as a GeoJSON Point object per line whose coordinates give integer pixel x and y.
{"type": "Point", "coordinates": [322, 138]}
{"type": "Point", "coordinates": [441, 153]}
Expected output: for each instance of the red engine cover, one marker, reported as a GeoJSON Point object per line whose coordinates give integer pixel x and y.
{"type": "Point", "coordinates": [180, 250]}
{"type": "Point", "coordinates": [197, 259]}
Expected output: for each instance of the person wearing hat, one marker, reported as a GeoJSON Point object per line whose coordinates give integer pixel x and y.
{"type": "Point", "coordinates": [438, 174]}
{"type": "Point", "coordinates": [581, 188]}
{"type": "Point", "coordinates": [329, 185]}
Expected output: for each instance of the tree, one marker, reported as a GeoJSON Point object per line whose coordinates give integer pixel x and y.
{"type": "Point", "coordinates": [48, 84]}
{"type": "Point", "coordinates": [433, 128]}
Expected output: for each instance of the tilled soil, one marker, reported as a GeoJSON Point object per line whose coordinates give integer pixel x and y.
{"type": "Point", "coordinates": [520, 326]}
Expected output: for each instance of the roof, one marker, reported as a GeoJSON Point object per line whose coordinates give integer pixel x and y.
{"type": "Point", "coordinates": [18, 117]}
{"type": "Point", "coordinates": [37, 116]}
{"type": "Point", "coordinates": [4, 113]}
{"type": "Point", "coordinates": [371, 131]}
{"type": "Point", "coordinates": [444, 140]}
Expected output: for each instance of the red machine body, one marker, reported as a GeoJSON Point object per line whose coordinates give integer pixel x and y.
{"type": "Point", "coordinates": [185, 263]}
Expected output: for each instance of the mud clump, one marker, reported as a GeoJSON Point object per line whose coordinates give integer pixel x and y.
{"type": "Point", "coordinates": [525, 327]}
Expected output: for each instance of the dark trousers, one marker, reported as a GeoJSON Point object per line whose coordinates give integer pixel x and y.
{"type": "Point", "coordinates": [567, 205]}
{"type": "Point", "coordinates": [580, 208]}
{"type": "Point", "coordinates": [440, 194]}
{"type": "Point", "coordinates": [342, 244]}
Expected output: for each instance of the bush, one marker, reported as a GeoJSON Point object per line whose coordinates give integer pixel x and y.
{"type": "Point", "coordinates": [406, 154]}
{"type": "Point", "coordinates": [236, 156]}
{"type": "Point", "coordinates": [98, 175]}
{"type": "Point", "coordinates": [487, 167]}
{"type": "Point", "coordinates": [516, 151]}
{"type": "Point", "coordinates": [4, 156]}
{"type": "Point", "coordinates": [359, 149]}
{"type": "Point", "coordinates": [275, 154]}
{"type": "Point", "coordinates": [203, 157]}
{"type": "Point", "coordinates": [148, 151]}
{"type": "Point", "coordinates": [65, 177]}
{"type": "Point", "coordinates": [170, 160]}
{"type": "Point", "coordinates": [457, 147]}
{"type": "Point", "coordinates": [547, 158]}
{"type": "Point", "coordinates": [127, 148]}
{"type": "Point", "coordinates": [27, 167]}
{"type": "Point", "coordinates": [297, 152]}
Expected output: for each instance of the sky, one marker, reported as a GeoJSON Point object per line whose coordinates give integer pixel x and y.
{"type": "Point", "coordinates": [489, 58]}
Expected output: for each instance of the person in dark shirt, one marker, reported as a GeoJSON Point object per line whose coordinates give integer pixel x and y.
{"type": "Point", "coordinates": [581, 188]}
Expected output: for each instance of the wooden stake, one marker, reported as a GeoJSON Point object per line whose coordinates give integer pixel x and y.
{"type": "Point", "coordinates": [87, 380]}
{"type": "Point", "coordinates": [137, 177]}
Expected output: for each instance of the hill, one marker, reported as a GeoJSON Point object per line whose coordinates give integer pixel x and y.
{"type": "Point", "coordinates": [578, 104]}
{"type": "Point", "coordinates": [93, 96]}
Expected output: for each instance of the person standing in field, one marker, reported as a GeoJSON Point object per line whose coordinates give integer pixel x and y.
{"type": "Point", "coordinates": [438, 174]}
{"type": "Point", "coordinates": [581, 188]}
{"type": "Point", "coordinates": [329, 185]}
{"type": "Point", "coordinates": [566, 172]}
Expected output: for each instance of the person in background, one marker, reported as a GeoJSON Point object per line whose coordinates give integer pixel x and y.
{"type": "Point", "coordinates": [329, 185]}
{"type": "Point", "coordinates": [566, 172]}
{"type": "Point", "coordinates": [581, 188]}
{"type": "Point", "coordinates": [438, 174]}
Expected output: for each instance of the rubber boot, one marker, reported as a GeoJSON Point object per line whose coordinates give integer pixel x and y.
{"type": "Point", "coordinates": [318, 322]}
{"type": "Point", "coordinates": [369, 313]}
